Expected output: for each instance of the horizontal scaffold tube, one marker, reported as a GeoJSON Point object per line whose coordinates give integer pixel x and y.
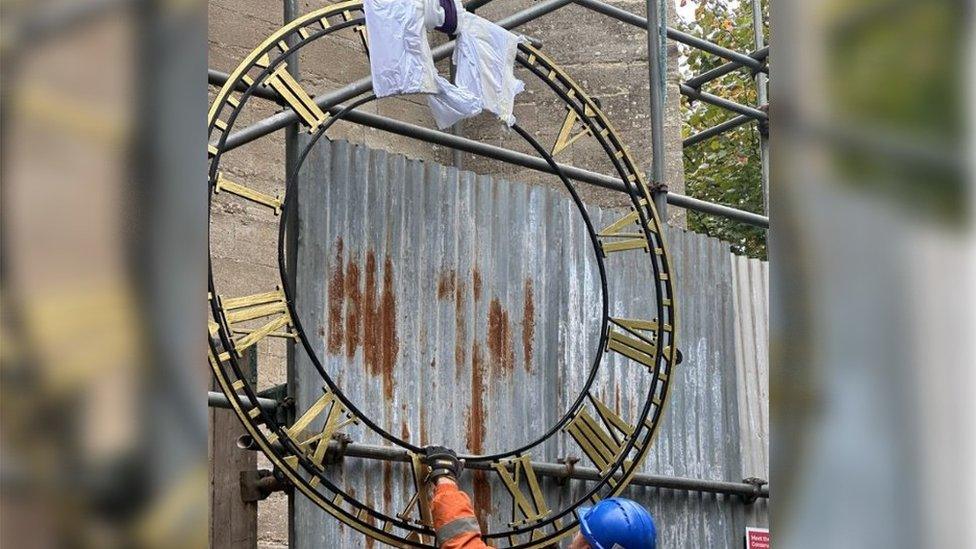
{"type": "Point", "coordinates": [692, 93]}
{"type": "Point", "coordinates": [219, 400]}
{"type": "Point", "coordinates": [721, 70]}
{"type": "Point", "coordinates": [673, 34]}
{"type": "Point", "coordinates": [748, 491]}
{"type": "Point", "coordinates": [716, 130]}
{"type": "Point", "coordinates": [452, 141]}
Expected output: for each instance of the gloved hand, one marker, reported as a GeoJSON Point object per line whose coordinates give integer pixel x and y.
{"type": "Point", "coordinates": [443, 462]}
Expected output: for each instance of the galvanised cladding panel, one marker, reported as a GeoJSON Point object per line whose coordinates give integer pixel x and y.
{"type": "Point", "coordinates": [750, 279]}
{"type": "Point", "coordinates": [463, 310]}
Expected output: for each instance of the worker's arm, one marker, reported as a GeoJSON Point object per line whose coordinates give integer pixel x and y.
{"type": "Point", "coordinates": [454, 519]}
{"type": "Point", "coordinates": [455, 524]}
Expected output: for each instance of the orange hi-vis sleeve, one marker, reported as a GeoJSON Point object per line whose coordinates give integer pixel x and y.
{"type": "Point", "coordinates": [454, 519]}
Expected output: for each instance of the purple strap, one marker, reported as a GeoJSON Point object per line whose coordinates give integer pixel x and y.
{"type": "Point", "coordinates": [450, 17]}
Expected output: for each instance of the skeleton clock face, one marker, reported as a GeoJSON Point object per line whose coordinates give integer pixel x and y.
{"type": "Point", "coordinates": [607, 439]}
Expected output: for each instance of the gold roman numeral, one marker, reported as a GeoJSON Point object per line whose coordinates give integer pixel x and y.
{"type": "Point", "coordinates": [281, 81]}
{"type": "Point", "coordinates": [360, 30]}
{"type": "Point", "coordinates": [269, 305]}
{"type": "Point", "coordinates": [625, 337]}
{"type": "Point", "coordinates": [224, 184]}
{"type": "Point", "coordinates": [566, 136]}
{"type": "Point", "coordinates": [512, 472]}
{"type": "Point", "coordinates": [419, 503]}
{"type": "Point", "coordinates": [615, 238]}
{"type": "Point", "coordinates": [601, 442]}
{"type": "Point", "coordinates": [315, 442]}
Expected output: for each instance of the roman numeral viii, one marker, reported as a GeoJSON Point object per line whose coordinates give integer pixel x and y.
{"type": "Point", "coordinates": [602, 440]}
{"type": "Point", "coordinates": [634, 339]}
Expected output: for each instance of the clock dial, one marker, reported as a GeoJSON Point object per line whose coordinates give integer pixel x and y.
{"type": "Point", "coordinates": [611, 440]}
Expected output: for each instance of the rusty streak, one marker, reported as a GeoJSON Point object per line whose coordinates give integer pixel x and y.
{"type": "Point", "coordinates": [528, 324]}
{"type": "Point", "coordinates": [476, 434]}
{"type": "Point", "coordinates": [499, 340]}
{"type": "Point", "coordinates": [379, 324]}
{"type": "Point", "coordinates": [446, 283]}
{"type": "Point", "coordinates": [336, 298]}
{"type": "Point", "coordinates": [354, 309]}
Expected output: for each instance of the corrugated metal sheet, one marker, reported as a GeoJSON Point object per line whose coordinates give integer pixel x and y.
{"type": "Point", "coordinates": [751, 284]}
{"type": "Point", "coordinates": [458, 309]}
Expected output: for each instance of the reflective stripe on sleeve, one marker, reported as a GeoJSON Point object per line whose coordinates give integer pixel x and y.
{"type": "Point", "coordinates": [466, 525]}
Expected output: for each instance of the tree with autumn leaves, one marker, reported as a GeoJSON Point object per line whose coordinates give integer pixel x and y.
{"type": "Point", "coordinates": [725, 169]}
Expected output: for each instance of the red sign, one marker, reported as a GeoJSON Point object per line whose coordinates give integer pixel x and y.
{"type": "Point", "coordinates": [757, 538]}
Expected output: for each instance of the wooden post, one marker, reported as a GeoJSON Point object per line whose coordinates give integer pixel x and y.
{"type": "Point", "coordinates": [233, 522]}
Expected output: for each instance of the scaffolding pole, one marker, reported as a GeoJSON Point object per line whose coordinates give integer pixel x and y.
{"type": "Point", "coordinates": [657, 82]}
{"type": "Point", "coordinates": [292, 148]}
{"type": "Point", "coordinates": [717, 129]}
{"type": "Point", "coordinates": [752, 112]}
{"type": "Point", "coordinates": [749, 491]}
{"type": "Point", "coordinates": [697, 81]}
{"type": "Point", "coordinates": [495, 152]}
{"type": "Point", "coordinates": [674, 34]}
{"type": "Point", "coordinates": [762, 96]}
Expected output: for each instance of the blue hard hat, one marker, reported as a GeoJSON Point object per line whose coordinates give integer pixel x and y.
{"type": "Point", "coordinates": [618, 523]}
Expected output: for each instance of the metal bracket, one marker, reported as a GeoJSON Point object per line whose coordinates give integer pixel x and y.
{"type": "Point", "coordinates": [758, 483]}
{"type": "Point", "coordinates": [764, 124]}
{"type": "Point", "coordinates": [278, 392]}
{"type": "Point", "coordinates": [285, 411]}
{"type": "Point", "coordinates": [655, 187]}
{"type": "Point", "coordinates": [570, 463]}
{"type": "Point", "coordinates": [258, 485]}
{"type": "Point", "coordinates": [337, 452]}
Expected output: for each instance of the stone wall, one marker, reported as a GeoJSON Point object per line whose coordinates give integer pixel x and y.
{"type": "Point", "coordinates": [606, 57]}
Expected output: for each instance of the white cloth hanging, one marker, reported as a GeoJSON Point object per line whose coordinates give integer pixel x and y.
{"type": "Point", "coordinates": [485, 59]}
{"type": "Point", "coordinates": [452, 104]}
{"type": "Point", "coordinates": [399, 54]}
{"type": "Point", "coordinates": [401, 61]}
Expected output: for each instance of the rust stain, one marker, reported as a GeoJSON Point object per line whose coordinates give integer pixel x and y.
{"type": "Point", "coordinates": [387, 483]}
{"type": "Point", "coordinates": [354, 309]}
{"type": "Point", "coordinates": [476, 413]}
{"type": "Point", "coordinates": [370, 321]}
{"type": "Point", "coordinates": [446, 283]}
{"type": "Point", "coordinates": [369, 499]}
{"type": "Point", "coordinates": [379, 324]}
{"type": "Point", "coordinates": [499, 339]}
{"type": "Point", "coordinates": [476, 434]}
{"type": "Point", "coordinates": [528, 324]}
{"type": "Point", "coordinates": [404, 431]}
{"type": "Point", "coordinates": [476, 282]}
{"type": "Point", "coordinates": [424, 440]}
{"type": "Point", "coordinates": [336, 298]}
{"type": "Point", "coordinates": [461, 328]}
{"type": "Point", "coordinates": [391, 342]}
{"type": "Point", "coordinates": [372, 505]}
